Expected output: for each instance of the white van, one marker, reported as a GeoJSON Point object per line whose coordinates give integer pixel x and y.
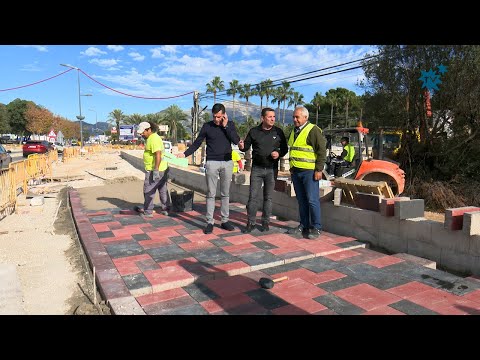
{"type": "Point", "coordinates": [168, 146]}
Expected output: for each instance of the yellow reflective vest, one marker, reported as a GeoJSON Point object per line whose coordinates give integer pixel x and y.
{"type": "Point", "coordinates": [350, 153]}
{"type": "Point", "coordinates": [301, 155]}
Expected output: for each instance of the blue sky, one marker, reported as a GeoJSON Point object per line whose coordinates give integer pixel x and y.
{"type": "Point", "coordinates": [161, 71]}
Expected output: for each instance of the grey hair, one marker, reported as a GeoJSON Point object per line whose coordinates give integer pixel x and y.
{"type": "Point", "coordinates": [303, 109]}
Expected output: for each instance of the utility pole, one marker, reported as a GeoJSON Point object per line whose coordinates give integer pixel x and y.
{"type": "Point", "coordinates": [195, 114]}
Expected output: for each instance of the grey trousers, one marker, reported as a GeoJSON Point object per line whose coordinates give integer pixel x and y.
{"type": "Point", "coordinates": [150, 188]}
{"type": "Point", "coordinates": [214, 170]}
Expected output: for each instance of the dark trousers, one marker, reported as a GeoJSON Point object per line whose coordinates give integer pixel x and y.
{"type": "Point", "coordinates": [261, 176]}
{"type": "Point", "coordinates": [308, 198]}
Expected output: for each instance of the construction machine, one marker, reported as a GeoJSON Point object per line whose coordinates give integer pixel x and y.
{"type": "Point", "coordinates": [363, 166]}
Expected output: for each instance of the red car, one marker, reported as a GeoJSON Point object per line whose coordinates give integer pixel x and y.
{"type": "Point", "coordinates": [36, 147]}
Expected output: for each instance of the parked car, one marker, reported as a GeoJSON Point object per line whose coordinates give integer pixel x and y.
{"type": "Point", "coordinates": [5, 157]}
{"type": "Point", "coordinates": [57, 146]}
{"type": "Point", "coordinates": [36, 147]}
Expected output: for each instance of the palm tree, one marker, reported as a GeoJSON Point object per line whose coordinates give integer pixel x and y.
{"type": "Point", "coordinates": [268, 89]}
{"type": "Point", "coordinates": [171, 116]}
{"type": "Point", "coordinates": [245, 93]}
{"type": "Point", "coordinates": [332, 99]}
{"type": "Point", "coordinates": [295, 99]}
{"type": "Point", "coordinates": [317, 101]}
{"type": "Point", "coordinates": [277, 98]}
{"type": "Point", "coordinates": [133, 119]}
{"type": "Point", "coordinates": [260, 89]}
{"type": "Point", "coordinates": [116, 116]}
{"type": "Point", "coordinates": [234, 89]}
{"type": "Point", "coordinates": [214, 86]}
{"type": "Point", "coordinates": [285, 91]}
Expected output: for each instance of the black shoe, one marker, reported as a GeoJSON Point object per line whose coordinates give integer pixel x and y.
{"type": "Point", "coordinates": [295, 231]}
{"type": "Point", "coordinates": [265, 226]}
{"type": "Point", "coordinates": [249, 228]}
{"type": "Point", "coordinates": [138, 209]}
{"type": "Point", "coordinates": [208, 229]}
{"type": "Point", "coordinates": [314, 233]}
{"type": "Point", "coordinates": [227, 226]}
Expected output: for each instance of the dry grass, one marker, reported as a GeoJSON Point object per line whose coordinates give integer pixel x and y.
{"type": "Point", "coordinates": [441, 195]}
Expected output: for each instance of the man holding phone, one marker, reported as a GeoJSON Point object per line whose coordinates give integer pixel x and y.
{"type": "Point", "coordinates": [219, 134]}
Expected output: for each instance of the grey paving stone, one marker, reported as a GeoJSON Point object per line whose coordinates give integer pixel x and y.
{"type": "Point", "coordinates": [266, 299]}
{"type": "Point", "coordinates": [379, 278]}
{"type": "Point", "coordinates": [161, 223]}
{"type": "Point", "coordinates": [147, 265]}
{"type": "Point", "coordinates": [131, 220]}
{"type": "Point", "coordinates": [339, 284]}
{"type": "Point", "coordinates": [136, 281]}
{"type": "Point", "coordinates": [200, 292]}
{"type": "Point", "coordinates": [264, 245]}
{"type": "Point", "coordinates": [105, 234]}
{"type": "Point", "coordinates": [410, 308]}
{"type": "Point", "coordinates": [124, 249]}
{"type": "Point", "coordinates": [319, 264]}
{"type": "Point", "coordinates": [350, 244]}
{"type": "Point", "coordinates": [215, 256]}
{"type": "Point", "coordinates": [141, 237]}
{"type": "Point", "coordinates": [260, 257]}
{"type": "Point", "coordinates": [338, 305]}
{"type": "Point", "coordinates": [220, 242]}
{"type": "Point", "coordinates": [282, 268]}
{"type": "Point", "coordinates": [100, 219]}
{"type": "Point", "coordinates": [179, 239]}
{"type": "Point", "coordinates": [168, 252]}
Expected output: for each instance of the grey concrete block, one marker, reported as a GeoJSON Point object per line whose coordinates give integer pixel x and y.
{"type": "Point", "coordinates": [391, 242]}
{"type": "Point", "coordinates": [457, 261]}
{"type": "Point", "coordinates": [37, 201]}
{"type": "Point", "coordinates": [387, 206]}
{"type": "Point", "coordinates": [417, 229]}
{"type": "Point", "coordinates": [409, 209]}
{"type": "Point", "coordinates": [471, 223]}
{"type": "Point", "coordinates": [337, 196]}
{"type": "Point", "coordinates": [474, 245]}
{"type": "Point", "coordinates": [238, 178]}
{"type": "Point", "coordinates": [125, 306]}
{"type": "Point", "coordinates": [417, 260]}
{"type": "Point", "coordinates": [422, 249]}
{"type": "Point", "coordinates": [450, 240]}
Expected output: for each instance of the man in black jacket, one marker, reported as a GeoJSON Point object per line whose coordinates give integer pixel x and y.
{"type": "Point", "coordinates": [219, 134]}
{"type": "Point", "coordinates": [269, 144]}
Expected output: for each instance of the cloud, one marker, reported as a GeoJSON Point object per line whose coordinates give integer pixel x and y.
{"type": "Point", "coordinates": [40, 48]}
{"type": "Point", "coordinates": [158, 52]}
{"type": "Point", "coordinates": [92, 51]}
{"type": "Point", "coordinates": [136, 56]}
{"type": "Point", "coordinates": [104, 62]}
{"type": "Point", "coordinates": [115, 47]}
{"type": "Point", "coordinates": [31, 67]}
{"type": "Point", "coordinates": [232, 49]}
{"type": "Point", "coordinates": [249, 50]}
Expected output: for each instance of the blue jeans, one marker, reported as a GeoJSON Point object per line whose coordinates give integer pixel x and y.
{"type": "Point", "coordinates": [308, 197]}
{"type": "Point", "coordinates": [261, 176]}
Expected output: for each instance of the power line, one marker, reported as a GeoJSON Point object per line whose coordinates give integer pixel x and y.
{"type": "Point", "coordinates": [37, 82]}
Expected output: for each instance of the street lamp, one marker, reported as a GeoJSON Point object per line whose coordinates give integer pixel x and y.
{"type": "Point", "coordinates": [79, 117]}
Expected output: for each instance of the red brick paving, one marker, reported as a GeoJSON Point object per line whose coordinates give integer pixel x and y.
{"type": "Point", "coordinates": [231, 281]}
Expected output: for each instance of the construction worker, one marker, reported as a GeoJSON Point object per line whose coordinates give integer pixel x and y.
{"type": "Point", "coordinates": [237, 162]}
{"type": "Point", "coordinates": [345, 159]}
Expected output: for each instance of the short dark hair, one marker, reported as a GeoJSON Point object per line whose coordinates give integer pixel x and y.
{"type": "Point", "coordinates": [265, 110]}
{"type": "Point", "coordinates": [218, 107]}
{"type": "Point", "coordinates": [345, 138]}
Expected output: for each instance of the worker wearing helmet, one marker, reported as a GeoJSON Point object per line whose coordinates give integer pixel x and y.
{"type": "Point", "coordinates": [345, 159]}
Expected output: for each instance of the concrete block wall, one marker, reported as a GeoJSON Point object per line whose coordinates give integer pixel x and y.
{"type": "Point", "coordinates": [403, 230]}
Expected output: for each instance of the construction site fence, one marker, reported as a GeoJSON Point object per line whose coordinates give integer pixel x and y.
{"type": "Point", "coordinates": [20, 175]}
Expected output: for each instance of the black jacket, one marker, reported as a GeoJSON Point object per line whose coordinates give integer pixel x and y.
{"type": "Point", "coordinates": [263, 143]}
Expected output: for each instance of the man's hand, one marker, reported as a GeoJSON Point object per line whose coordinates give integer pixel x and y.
{"type": "Point", "coordinates": [156, 175]}
{"type": "Point", "coordinates": [275, 155]}
{"type": "Point", "coordinates": [317, 175]}
{"type": "Point", "coordinates": [225, 120]}
{"type": "Point", "coordinates": [180, 155]}
{"type": "Point", "coordinates": [241, 144]}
